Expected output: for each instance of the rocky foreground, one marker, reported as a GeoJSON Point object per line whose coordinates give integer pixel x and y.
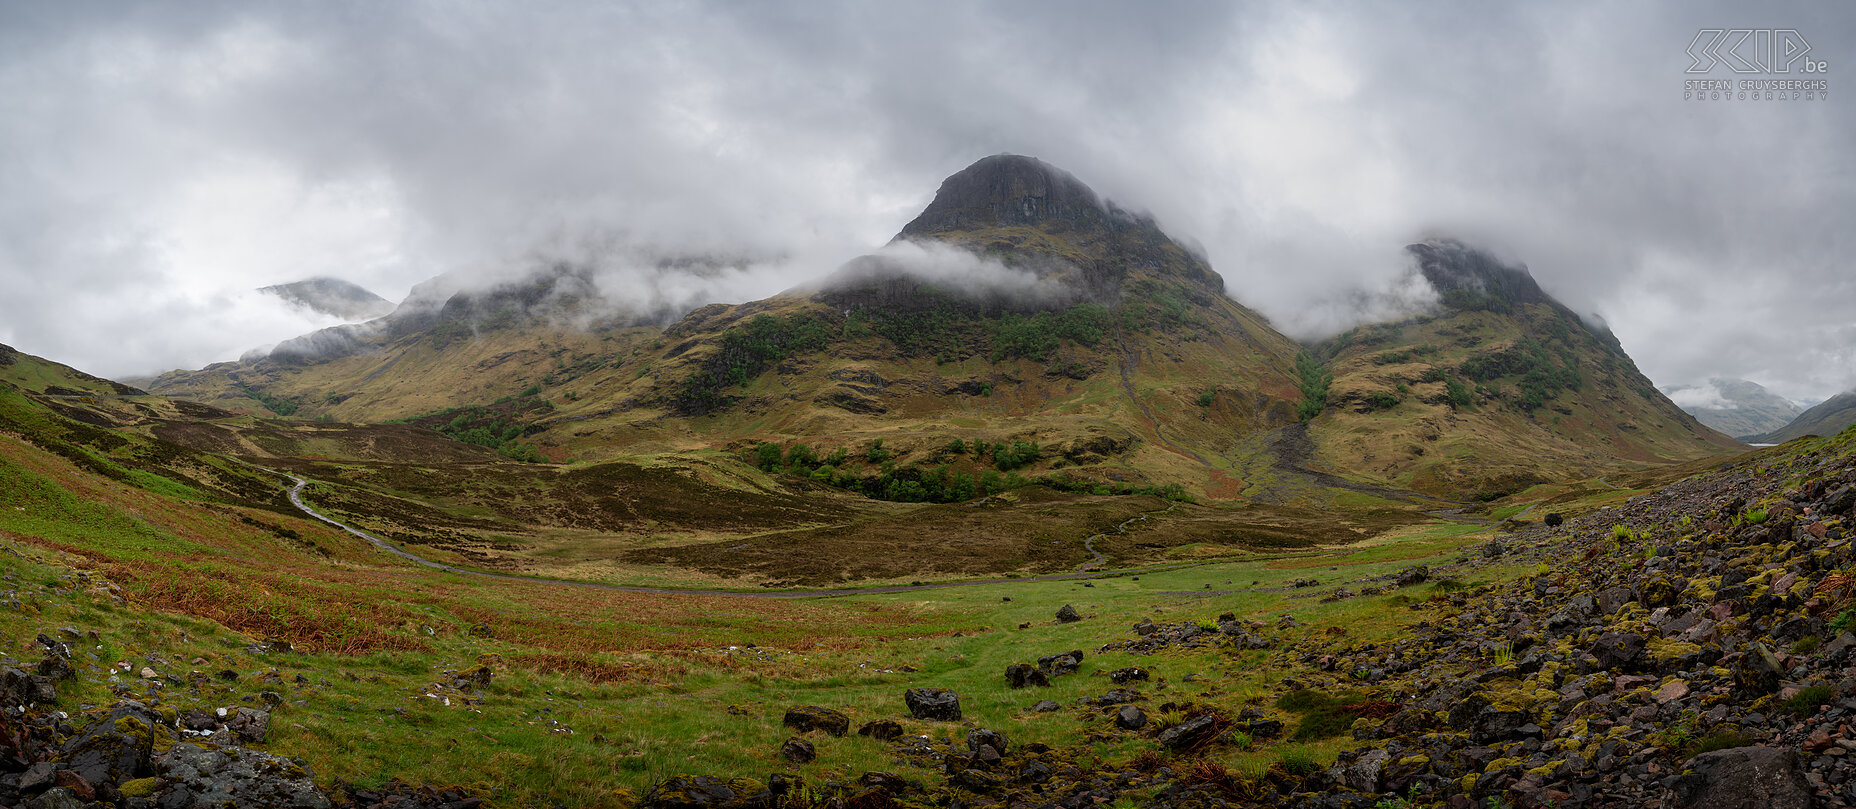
{"type": "Point", "coordinates": [1691, 649]}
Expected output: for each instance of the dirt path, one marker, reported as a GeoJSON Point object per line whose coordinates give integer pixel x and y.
{"type": "Point", "coordinates": [1089, 544]}
{"type": "Point", "coordinates": [296, 499]}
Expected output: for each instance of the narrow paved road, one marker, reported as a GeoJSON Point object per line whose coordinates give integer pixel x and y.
{"type": "Point", "coordinates": [296, 499]}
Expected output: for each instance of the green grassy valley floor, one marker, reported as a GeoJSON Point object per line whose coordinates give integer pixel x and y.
{"type": "Point", "coordinates": [706, 694]}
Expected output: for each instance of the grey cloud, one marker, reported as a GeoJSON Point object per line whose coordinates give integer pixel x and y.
{"type": "Point", "coordinates": [162, 160]}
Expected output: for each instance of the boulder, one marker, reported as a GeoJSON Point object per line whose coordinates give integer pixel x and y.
{"type": "Point", "coordinates": [1124, 676]}
{"type": "Point", "coordinates": [1364, 773]}
{"type": "Point", "coordinates": [707, 792]}
{"type": "Point", "coordinates": [250, 725]}
{"type": "Point", "coordinates": [197, 778]}
{"type": "Point", "coordinates": [1618, 650]}
{"type": "Point", "coordinates": [1413, 576]}
{"type": "Point", "coordinates": [933, 703]}
{"type": "Point", "coordinates": [1130, 718]}
{"type": "Point", "coordinates": [1741, 778]}
{"type": "Point", "coordinates": [798, 751]}
{"type": "Point", "coordinates": [987, 738]}
{"type": "Point", "coordinates": [1759, 671]}
{"type": "Point", "coordinates": [117, 747]}
{"type": "Point", "coordinates": [1067, 615]}
{"type": "Point", "coordinates": [806, 718]}
{"type": "Point", "coordinates": [1058, 665]}
{"type": "Point", "coordinates": [1024, 675]}
{"type": "Point", "coordinates": [1190, 734]}
{"type": "Point", "coordinates": [882, 730]}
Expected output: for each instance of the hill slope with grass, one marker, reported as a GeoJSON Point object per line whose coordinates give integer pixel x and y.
{"type": "Point", "coordinates": [1832, 416]}
{"type": "Point", "coordinates": [1502, 387]}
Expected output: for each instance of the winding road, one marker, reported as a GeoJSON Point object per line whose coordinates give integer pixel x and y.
{"type": "Point", "coordinates": [1086, 572]}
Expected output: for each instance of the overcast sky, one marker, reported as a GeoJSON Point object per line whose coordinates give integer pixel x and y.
{"type": "Point", "coordinates": [158, 162]}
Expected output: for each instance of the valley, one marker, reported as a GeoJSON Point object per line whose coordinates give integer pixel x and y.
{"type": "Point", "coordinates": [472, 553]}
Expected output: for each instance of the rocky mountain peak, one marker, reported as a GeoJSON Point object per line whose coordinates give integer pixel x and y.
{"type": "Point", "coordinates": [1462, 274]}
{"type": "Point", "coordinates": [1006, 190]}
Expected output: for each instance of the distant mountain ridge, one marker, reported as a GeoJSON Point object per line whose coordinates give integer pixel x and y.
{"type": "Point", "coordinates": [1736, 407]}
{"type": "Point", "coordinates": [333, 297]}
{"type": "Point", "coordinates": [1828, 418]}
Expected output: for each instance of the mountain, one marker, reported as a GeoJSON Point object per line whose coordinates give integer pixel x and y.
{"type": "Point", "coordinates": [1019, 306]}
{"type": "Point", "coordinates": [1735, 406]}
{"type": "Point", "coordinates": [332, 296]}
{"type": "Point", "coordinates": [1828, 418]}
{"type": "Point", "coordinates": [1020, 315]}
{"type": "Point", "coordinates": [1499, 388]}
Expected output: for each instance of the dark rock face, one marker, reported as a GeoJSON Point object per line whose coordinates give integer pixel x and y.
{"type": "Point", "coordinates": [806, 718]}
{"type": "Point", "coordinates": [933, 703]}
{"type": "Point", "coordinates": [1742, 778]}
{"type": "Point", "coordinates": [1008, 190]}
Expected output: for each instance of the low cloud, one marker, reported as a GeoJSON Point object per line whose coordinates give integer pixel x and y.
{"type": "Point", "coordinates": [988, 282]}
{"type": "Point", "coordinates": [1700, 397]}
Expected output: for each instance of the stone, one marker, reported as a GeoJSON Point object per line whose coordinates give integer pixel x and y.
{"type": "Point", "coordinates": [1130, 718]}
{"type": "Point", "coordinates": [1758, 671]}
{"type": "Point", "coordinates": [982, 737]}
{"type": "Point", "coordinates": [1671, 691]}
{"type": "Point", "coordinates": [1024, 675]}
{"type": "Point", "coordinates": [807, 718]}
{"type": "Point", "coordinates": [117, 747]}
{"type": "Point", "coordinates": [798, 751]}
{"type": "Point", "coordinates": [707, 792]}
{"type": "Point", "coordinates": [250, 725]}
{"type": "Point", "coordinates": [1190, 734]}
{"type": "Point", "coordinates": [1067, 615]}
{"type": "Point", "coordinates": [1618, 650]}
{"type": "Point", "coordinates": [1129, 674]}
{"type": "Point", "coordinates": [1058, 665]}
{"type": "Point", "coordinates": [1046, 706]}
{"type": "Point", "coordinates": [1741, 778]}
{"type": "Point", "coordinates": [1413, 576]}
{"type": "Point", "coordinates": [882, 730]}
{"type": "Point", "coordinates": [38, 777]}
{"type": "Point", "coordinates": [201, 778]}
{"type": "Point", "coordinates": [933, 703]}
{"type": "Point", "coordinates": [1364, 774]}
{"type": "Point", "coordinates": [1146, 627]}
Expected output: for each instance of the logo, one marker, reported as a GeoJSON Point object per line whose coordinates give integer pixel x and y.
{"type": "Point", "coordinates": [1752, 50]}
{"type": "Point", "coordinates": [1780, 55]}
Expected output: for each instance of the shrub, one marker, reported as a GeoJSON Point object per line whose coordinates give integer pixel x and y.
{"type": "Point", "coordinates": [1381, 400]}
{"type": "Point", "coordinates": [1458, 393]}
{"type": "Point", "coordinates": [1806, 645]}
{"type": "Point", "coordinates": [1808, 700]}
{"type": "Point", "coordinates": [1206, 398]}
{"type": "Point", "coordinates": [1296, 761]}
{"type": "Point", "coordinates": [1014, 455]}
{"type": "Point", "coordinates": [1315, 380]}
